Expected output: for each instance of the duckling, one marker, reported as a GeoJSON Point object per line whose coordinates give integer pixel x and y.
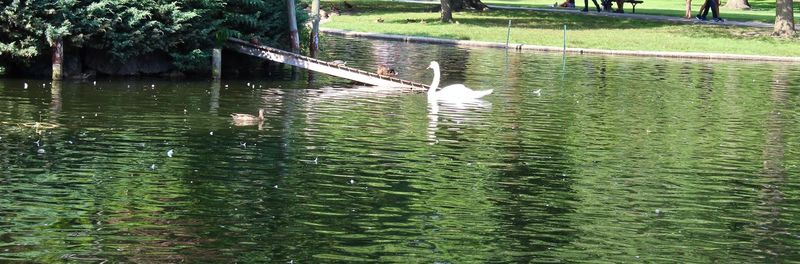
{"type": "Point", "coordinates": [248, 119]}
{"type": "Point", "coordinates": [386, 71]}
{"type": "Point", "coordinates": [255, 41]}
{"type": "Point", "coordinates": [339, 63]}
{"type": "Point", "coordinates": [380, 20]}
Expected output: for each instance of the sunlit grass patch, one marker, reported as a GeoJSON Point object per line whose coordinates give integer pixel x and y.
{"type": "Point", "coordinates": [546, 28]}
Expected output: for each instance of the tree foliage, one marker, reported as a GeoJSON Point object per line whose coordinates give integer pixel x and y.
{"type": "Point", "coordinates": [185, 29]}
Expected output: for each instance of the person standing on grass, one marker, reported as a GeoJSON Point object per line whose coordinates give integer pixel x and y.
{"type": "Point", "coordinates": [586, 5]}
{"type": "Point", "coordinates": [714, 6]}
{"type": "Point", "coordinates": [619, 6]}
{"type": "Point", "coordinates": [688, 9]}
{"type": "Point", "coordinates": [568, 4]}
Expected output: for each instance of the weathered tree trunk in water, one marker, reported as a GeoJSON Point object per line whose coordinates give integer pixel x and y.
{"type": "Point", "coordinates": [447, 11]}
{"type": "Point", "coordinates": [58, 59]}
{"type": "Point", "coordinates": [314, 29]}
{"type": "Point", "coordinates": [216, 64]}
{"type": "Point", "coordinates": [295, 37]}
{"type": "Point", "coordinates": [784, 19]}
{"type": "Point", "coordinates": [737, 4]}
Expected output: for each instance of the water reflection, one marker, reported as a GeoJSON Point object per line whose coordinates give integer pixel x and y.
{"type": "Point", "coordinates": [457, 114]}
{"type": "Point", "coordinates": [55, 99]}
{"type": "Point", "coordinates": [343, 174]}
{"type": "Point", "coordinates": [213, 108]}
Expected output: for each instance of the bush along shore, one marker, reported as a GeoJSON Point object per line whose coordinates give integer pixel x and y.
{"type": "Point", "coordinates": [132, 37]}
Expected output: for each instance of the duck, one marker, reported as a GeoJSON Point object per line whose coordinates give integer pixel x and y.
{"type": "Point", "coordinates": [380, 20]}
{"type": "Point", "coordinates": [386, 71]}
{"type": "Point", "coordinates": [455, 92]}
{"type": "Point", "coordinates": [339, 63]}
{"type": "Point", "coordinates": [248, 119]}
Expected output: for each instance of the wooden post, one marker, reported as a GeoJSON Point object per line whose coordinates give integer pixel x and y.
{"type": "Point", "coordinates": [293, 26]}
{"type": "Point", "coordinates": [314, 29]}
{"type": "Point", "coordinates": [216, 64]}
{"type": "Point", "coordinates": [58, 58]}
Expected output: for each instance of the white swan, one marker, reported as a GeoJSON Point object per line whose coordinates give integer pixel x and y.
{"type": "Point", "coordinates": [455, 92]}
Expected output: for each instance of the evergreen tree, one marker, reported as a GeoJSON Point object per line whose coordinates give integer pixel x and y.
{"type": "Point", "coordinates": [185, 29]}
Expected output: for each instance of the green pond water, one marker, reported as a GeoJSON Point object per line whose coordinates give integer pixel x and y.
{"type": "Point", "coordinates": [617, 160]}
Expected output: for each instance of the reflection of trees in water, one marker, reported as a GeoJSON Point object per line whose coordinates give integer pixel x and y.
{"type": "Point", "coordinates": [454, 65]}
{"type": "Point", "coordinates": [230, 179]}
{"type": "Point", "coordinates": [55, 99]}
{"type": "Point", "coordinates": [571, 175]}
{"type": "Point", "coordinates": [454, 117]}
{"type": "Point", "coordinates": [637, 148]}
{"type": "Point", "coordinates": [213, 106]}
{"type": "Point", "coordinates": [372, 208]}
{"type": "Point", "coordinates": [773, 238]}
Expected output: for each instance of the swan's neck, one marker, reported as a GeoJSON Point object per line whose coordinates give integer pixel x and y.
{"type": "Point", "coordinates": [435, 83]}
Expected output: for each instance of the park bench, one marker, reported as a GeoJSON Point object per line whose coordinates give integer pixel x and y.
{"type": "Point", "coordinates": [607, 4]}
{"type": "Point", "coordinates": [634, 3]}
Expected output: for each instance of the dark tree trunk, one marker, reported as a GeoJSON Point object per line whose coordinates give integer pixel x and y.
{"type": "Point", "coordinates": [448, 6]}
{"type": "Point", "coordinates": [447, 11]}
{"type": "Point", "coordinates": [58, 58]}
{"type": "Point", "coordinates": [784, 19]}
{"type": "Point", "coordinates": [737, 4]}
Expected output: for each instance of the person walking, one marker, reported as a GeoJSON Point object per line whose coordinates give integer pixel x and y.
{"type": "Point", "coordinates": [688, 9]}
{"type": "Point", "coordinates": [714, 6]}
{"type": "Point", "coordinates": [586, 5]}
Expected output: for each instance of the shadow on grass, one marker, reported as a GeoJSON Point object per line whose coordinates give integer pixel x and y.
{"type": "Point", "coordinates": [768, 5]}
{"type": "Point", "coordinates": [531, 20]}
{"type": "Point", "coordinates": [723, 13]}
{"type": "Point", "coordinates": [547, 19]}
{"type": "Point", "coordinates": [444, 36]}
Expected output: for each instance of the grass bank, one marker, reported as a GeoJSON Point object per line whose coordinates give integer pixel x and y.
{"type": "Point", "coordinates": [546, 28]}
{"type": "Point", "coordinates": [762, 10]}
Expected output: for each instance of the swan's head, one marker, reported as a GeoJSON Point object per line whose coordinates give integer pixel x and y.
{"type": "Point", "coordinates": [433, 65]}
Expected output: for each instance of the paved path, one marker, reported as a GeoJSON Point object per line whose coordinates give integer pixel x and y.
{"type": "Point", "coordinates": [625, 15]}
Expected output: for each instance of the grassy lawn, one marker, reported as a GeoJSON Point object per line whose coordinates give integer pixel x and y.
{"type": "Point", "coordinates": [762, 10]}
{"type": "Point", "coordinates": [546, 28]}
